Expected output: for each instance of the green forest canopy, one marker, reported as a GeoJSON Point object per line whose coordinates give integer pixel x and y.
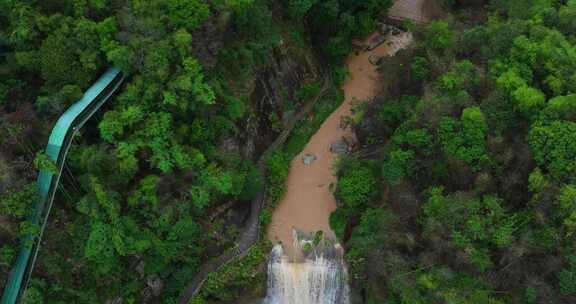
{"type": "Point", "coordinates": [146, 178]}
{"type": "Point", "coordinates": [476, 185]}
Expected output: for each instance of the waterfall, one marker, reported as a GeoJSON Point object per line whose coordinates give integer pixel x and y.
{"type": "Point", "coordinates": [321, 278]}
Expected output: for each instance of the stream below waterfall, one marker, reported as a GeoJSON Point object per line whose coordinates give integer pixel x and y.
{"type": "Point", "coordinates": [299, 273]}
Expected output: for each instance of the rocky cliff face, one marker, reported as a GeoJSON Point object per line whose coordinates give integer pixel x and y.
{"type": "Point", "coordinates": [274, 96]}
{"type": "Point", "coordinates": [270, 87]}
{"type": "Point", "coordinates": [273, 100]}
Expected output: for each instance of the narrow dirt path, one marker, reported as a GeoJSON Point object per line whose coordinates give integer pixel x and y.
{"type": "Point", "coordinates": [308, 201]}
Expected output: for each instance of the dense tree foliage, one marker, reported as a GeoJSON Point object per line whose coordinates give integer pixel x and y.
{"type": "Point", "coordinates": [335, 22]}
{"type": "Point", "coordinates": [161, 180]}
{"type": "Point", "coordinates": [472, 199]}
{"type": "Point", "coordinates": [477, 171]}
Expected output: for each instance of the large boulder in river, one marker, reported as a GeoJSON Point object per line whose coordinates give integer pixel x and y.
{"type": "Point", "coordinates": [308, 159]}
{"type": "Point", "coordinates": [340, 147]}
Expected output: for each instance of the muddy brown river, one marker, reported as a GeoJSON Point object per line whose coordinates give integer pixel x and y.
{"type": "Point", "coordinates": [308, 201]}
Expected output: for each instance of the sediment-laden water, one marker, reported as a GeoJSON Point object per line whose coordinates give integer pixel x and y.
{"type": "Point", "coordinates": [300, 271]}
{"type": "Point", "coordinates": [308, 200]}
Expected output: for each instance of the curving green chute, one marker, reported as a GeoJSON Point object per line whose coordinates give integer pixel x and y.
{"type": "Point", "coordinates": [58, 144]}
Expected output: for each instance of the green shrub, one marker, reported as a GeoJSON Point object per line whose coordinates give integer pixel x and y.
{"type": "Point", "coordinates": [357, 186]}
{"type": "Point", "coordinates": [567, 277]}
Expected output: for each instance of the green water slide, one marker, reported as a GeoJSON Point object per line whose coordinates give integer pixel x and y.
{"type": "Point", "coordinates": [58, 144]}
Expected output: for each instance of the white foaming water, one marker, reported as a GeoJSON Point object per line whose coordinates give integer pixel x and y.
{"type": "Point", "coordinates": [320, 279]}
